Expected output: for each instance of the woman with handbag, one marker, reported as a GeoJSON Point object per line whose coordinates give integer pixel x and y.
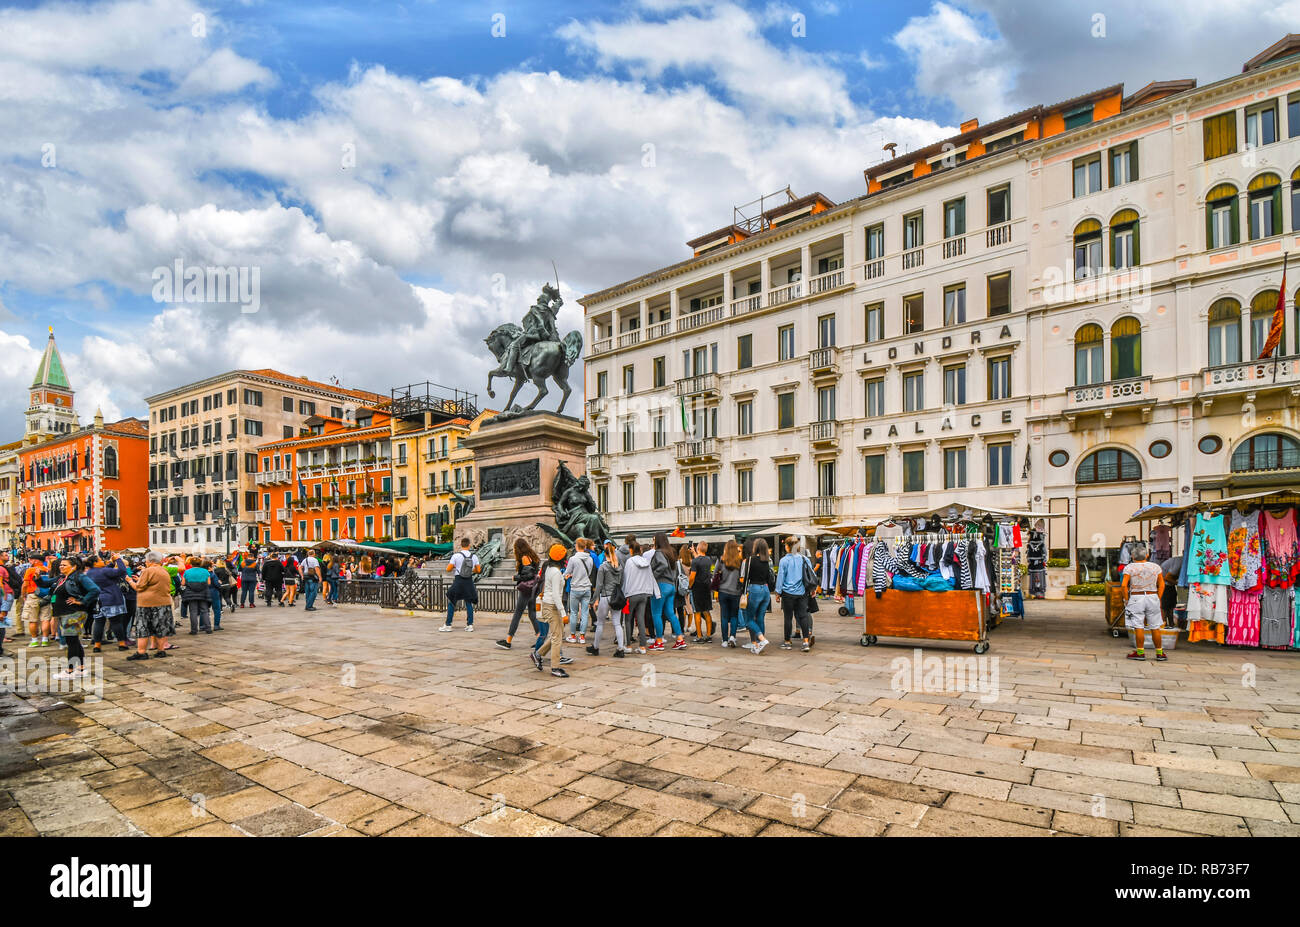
{"type": "Point", "coordinates": [759, 582]}
{"type": "Point", "coordinates": [726, 580]}
{"type": "Point", "coordinates": [664, 566]}
{"type": "Point", "coordinates": [609, 600]}
{"type": "Point", "coordinates": [526, 590]}
{"type": "Point", "coordinates": [792, 595]}
{"type": "Point", "coordinates": [700, 581]}
{"type": "Point", "coordinates": [639, 587]}
{"type": "Point", "coordinates": [73, 597]}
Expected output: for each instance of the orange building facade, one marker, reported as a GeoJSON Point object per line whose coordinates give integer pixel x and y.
{"type": "Point", "coordinates": [331, 483]}
{"type": "Point", "coordinates": [87, 490]}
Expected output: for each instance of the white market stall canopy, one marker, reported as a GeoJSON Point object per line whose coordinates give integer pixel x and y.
{"type": "Point", "coordinates": [1287, 496]}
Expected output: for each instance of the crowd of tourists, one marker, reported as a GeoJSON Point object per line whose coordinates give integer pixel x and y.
{"type": "Point", "coordinates": [136, 601]}
{"type": "Point", "coordinates": [638, 592]}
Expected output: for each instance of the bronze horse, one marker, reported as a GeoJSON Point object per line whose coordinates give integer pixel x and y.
{"type": "Point", "coordinates": [547, 359]}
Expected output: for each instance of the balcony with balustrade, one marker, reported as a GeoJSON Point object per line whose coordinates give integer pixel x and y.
{"type": "Point", "coordinates": [1254, 376]}
{"type": "Point", "coordinates": [702, 450]}
{"type": "Point", "coordinates": [698, 516]}
{"type": "Point", "coordinates": [704, 385]}
{"type": "Point", "coordinates": [598, 464]}
{"type": "Point", "coordinates": [1105, 398]}
{"type": "Point", "coordinates": [823, 363]}
{"type": "Point", "coordinates": [822, 508]}
{"type": "Point", "coordinates": [824, 434]}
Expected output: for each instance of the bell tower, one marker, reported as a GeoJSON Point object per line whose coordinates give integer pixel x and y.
{"type": "Point", "coordinates": [50, 410]}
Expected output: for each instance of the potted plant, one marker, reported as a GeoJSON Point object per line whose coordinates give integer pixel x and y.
{"type": "Point", "coordinates": [1059, 575]}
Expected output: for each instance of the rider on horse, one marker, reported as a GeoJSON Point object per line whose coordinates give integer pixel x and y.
{"type": "Point", "coordinates": [539, 325]}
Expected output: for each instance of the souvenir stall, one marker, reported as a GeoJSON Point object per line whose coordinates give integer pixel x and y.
{"type": "Point", "coordinates": [1240, 567]}
{"type": "Point", "coordinates": [951, 573]}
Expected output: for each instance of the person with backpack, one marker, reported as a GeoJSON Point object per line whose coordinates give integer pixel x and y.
{"type": "Point", "coordinates": [639, 587]}
{"type": "Point", "coordinates": [8, 595]}
{"type": "Point", "coordinates": [312, 578]}
{"type": "Point", "coordinates": [581, 574]}
{"type": "Point", "coordinates": [729, 589]}
{"type": "Point", "coordinates": [553, 616]}
{"type": "Point", "coordinates": [609, 601]}
{"type": "Point", "coordinates": [663, 563]}
{"type": "Point", "coordinates": [111, 604]}
{"type": "Point", "coordinates": [273, 580]}
{"type": "Point", "coordinates": [73, 598]}
{"type": "Point", "coordinates": [700, 583]}
{"type": "Point", "coordinates": [759, 581]}
{"type": "Point", "coordinates": [196, 596]}
{"type": "Point", "coordinates": [463, 565]}
{"type": "Point", "coordinates": [36, 602]}
{"type": "Point", "coordinates": [292, 574]}
{"type": "Point", "coordinates": [527, 586]}
{"type": "Point", "coordinates": [792, 593]}
{"type": "Point", "coordinates": [248, 581]}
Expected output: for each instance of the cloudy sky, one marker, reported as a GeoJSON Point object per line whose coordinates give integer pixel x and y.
{"type": "Point", "coordinates": [402, 175]}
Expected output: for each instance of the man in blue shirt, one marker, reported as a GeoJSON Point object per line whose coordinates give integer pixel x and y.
{"type": "Point", "coordinates": [792, 595]}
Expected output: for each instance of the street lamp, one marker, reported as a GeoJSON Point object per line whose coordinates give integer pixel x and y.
{"type": "Point", "coordinates": [227, 519]}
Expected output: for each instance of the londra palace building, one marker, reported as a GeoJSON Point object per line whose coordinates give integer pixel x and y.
{"type": "Point", "coordinates": [1059, 312]}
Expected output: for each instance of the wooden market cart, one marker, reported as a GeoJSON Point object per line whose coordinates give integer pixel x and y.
{"type": "Point", "coordinates": [959, 615]}
{"type": "Point", "coordinates": [1115, 608]}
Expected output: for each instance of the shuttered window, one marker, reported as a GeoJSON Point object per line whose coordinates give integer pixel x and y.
{"type": "Point", "coordinates": [1220, 135]}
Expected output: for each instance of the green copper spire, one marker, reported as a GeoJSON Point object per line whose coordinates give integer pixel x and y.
{"type": "Point", "coordinates": [51, 372]}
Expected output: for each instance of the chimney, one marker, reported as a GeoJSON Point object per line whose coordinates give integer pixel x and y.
{"type": "Point", "coordinates": [892, 148]}
{"type": "Point", "coordinates": [969, 125]}
{"type": "Point", "coordinates": [99, 417]}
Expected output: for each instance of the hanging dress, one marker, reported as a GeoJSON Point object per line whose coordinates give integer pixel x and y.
{"type": "Point", "coordinates": [1281, 556]}
{"type": "Point", "coordinates": [1208, 576]}
{"type": "Point", "coordinates": [1244, 617]}
{"type": "Point", "coordinates": [1276, 613]}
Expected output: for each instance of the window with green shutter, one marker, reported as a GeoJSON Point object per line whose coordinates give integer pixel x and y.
{"type": "Point", "coordinates": [1220, 135]}
{"type": "Point", "coordinates": [1124, 245]}
{"type": "Point", "coordinates": [1222, 225]}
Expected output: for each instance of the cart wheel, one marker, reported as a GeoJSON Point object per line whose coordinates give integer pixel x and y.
{"type": "Point", "coordinates": [1114, 632]}
{"type": "Point", "coordinates": [872, 638]}
{"type": "Point", "coordinates": [982, 647]}
{"type": "Point", "coordinates": [865, 640]}
{"type": "Point", "coordinates": [844, 610]}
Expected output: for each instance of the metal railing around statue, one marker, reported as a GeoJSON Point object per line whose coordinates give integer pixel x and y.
{"type": "Point", "coordinates": [414, 592]}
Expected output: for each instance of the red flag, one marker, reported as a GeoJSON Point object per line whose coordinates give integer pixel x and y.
{"type": "Point", "coordinates": [1279, 318]}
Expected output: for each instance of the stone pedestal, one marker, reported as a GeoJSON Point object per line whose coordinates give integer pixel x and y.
{"type": "Point", "coordinates": [515, 463]}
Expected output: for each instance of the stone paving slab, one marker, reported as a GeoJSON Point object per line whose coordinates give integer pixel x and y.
{"type": "Point", "coordinates": [290, 724]}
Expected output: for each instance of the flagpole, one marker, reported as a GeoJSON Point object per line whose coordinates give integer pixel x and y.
{"type": "Point", "coordinates": [1281, 301]}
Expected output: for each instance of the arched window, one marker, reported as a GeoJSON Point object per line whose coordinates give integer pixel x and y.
{"type": "Point", "coordinates": [1265, 216]}
{"type": "Point", "coordinates": [1087, 249]}
{"type": "Point", "coordinates": [1126, 349]}
{"type": "Point", "coordinates": [1124, 251]}
{"type": "Point", "coordinates": [457, 511]}
{"type": "Point", "coordinates": [1222, 226]}
{"type": "Point", "coordinates": [1266, 452]}
{"type": "Point", "coordinates": [1295, 200]}
{"type": "Point", "coordinates": [110, 461]}
{"type": "Point", "coordinates": [1108, 466]}
{"type": "Point", "coordinates": [1261, 320]}
{"type": "Point", "coordinates": [110, 512]}
{"type": "Point", "coordinates": [1088, 354]}
{"type": "Point", "coordinates": [76, 507]}
{"type": "Point", "coordinates": [1225, 332]}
